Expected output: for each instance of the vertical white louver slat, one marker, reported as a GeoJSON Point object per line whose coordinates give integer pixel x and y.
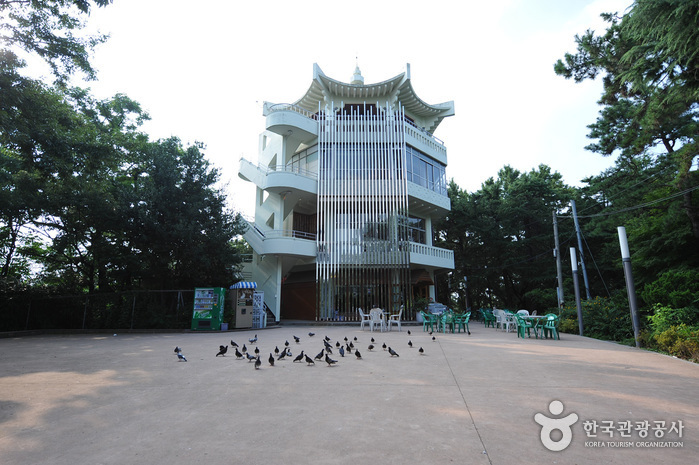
{"type": "Point", "coordinates": [362, 209]}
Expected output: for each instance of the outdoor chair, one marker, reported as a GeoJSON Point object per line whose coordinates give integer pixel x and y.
{"type": "Point", "coordinates": [395, 318]}
{"type": "Point", "coordinates": [446, 320]}
{"type": "Point", "coordinates": [364, 318]}
{"type": "Point", "coordinates": [508, 320]}
{"type": "Point", "coordinates": [550, 326]}
{"type": "Point", "coordinates": [428, 320]}
{"type": "Point", "coordinates": [488, 317]}
{"type": "Point", "coordinates": [523, 312]}
{"type": "Point", "coordinates": [523, 325]}
{"type": "Point", "coordinates": [376, 315]}
{"type": "Point", "coordinates": [461, 322]}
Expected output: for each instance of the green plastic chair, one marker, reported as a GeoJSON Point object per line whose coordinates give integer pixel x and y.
{"type": "Point", "coordinates": [488, 317]}
{"type": "Point", "coordinates": [461, 322]}
{"type": "Point", "coordinates": [551, 327]}
{"type": "Point", "coordinates": [428, 319]}
{"type": "Point", "coordinates": [523, 325]}
{"type": "Point", "coordinates": [446, 320]}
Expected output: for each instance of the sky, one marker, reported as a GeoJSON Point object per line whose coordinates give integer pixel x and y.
{"type": "Point", "coordinates": [202, 70]}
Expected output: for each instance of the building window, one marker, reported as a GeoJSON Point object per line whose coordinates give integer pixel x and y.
{"type": "Point", "coordinates": [425, 171]}
{"type": "Point", "coordinates": [416, 230]}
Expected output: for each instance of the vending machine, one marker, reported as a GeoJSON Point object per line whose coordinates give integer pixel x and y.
{"type": "Point", "coordinates": [208, 308]}
{"type": "Point", "coordinates": [242, 297]}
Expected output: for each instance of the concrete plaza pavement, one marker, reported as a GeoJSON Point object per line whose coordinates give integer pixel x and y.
{"type": "Point", "coordinates": [125, 399]}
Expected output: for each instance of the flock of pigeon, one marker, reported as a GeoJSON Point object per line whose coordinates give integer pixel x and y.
{"type": "Point", "coordinates": [348, 348]}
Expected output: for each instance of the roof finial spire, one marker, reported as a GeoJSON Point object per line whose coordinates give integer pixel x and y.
{"type": "Point", "coordinates": [357, 78]}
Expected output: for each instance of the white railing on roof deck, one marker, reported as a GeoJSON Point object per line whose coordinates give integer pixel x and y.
{"type": "Point", "coordinates": [265, 169]}
{"type": "Point", "coordinates": [431, 251]}
{"type": "Point", "coordinates": [290, 107]}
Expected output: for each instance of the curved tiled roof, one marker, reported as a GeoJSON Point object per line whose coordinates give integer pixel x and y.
{"type": "Point", "coordinates": [398, 88]}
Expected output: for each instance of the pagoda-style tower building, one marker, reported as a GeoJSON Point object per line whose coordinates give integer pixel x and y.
{"type": "Point", "coordinates": [350, 179]}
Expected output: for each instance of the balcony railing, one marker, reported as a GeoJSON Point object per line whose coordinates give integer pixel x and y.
{"type": "Point", "coordinates": [277, 233]}
{"type": "Point", "coordinates": [265, 169]}
{"type": "Point", "coordinates": [430, 251]}
{"type": "Point", "coordinates": [290, 107]}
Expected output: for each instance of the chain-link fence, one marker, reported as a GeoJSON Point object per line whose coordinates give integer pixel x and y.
{"type": "Point", "coordinates": [161, 309]}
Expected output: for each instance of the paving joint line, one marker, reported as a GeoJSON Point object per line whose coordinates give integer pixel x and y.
{"type": "Point", "coordinates": [463, 398]}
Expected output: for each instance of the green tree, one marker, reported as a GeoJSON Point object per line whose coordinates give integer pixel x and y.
{"type": "Point", "coordinates": [502, 238]}
{"type": "Point", "coordinates": [648, 59]}
{"type": "Point", "coordinates": [49, 29]}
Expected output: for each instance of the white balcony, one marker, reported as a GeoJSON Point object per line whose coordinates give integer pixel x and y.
{"type": "Point", "coordinates": [434, 257]}
{"type": "Point", "coordinates": [289, 120]}
{"type": "Point", "coordinates": [280, 242]}
{"type": "Point", "coordinates": [278, 178]}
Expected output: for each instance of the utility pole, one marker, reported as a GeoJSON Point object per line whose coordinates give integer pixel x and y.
{"type": "Point", "coordinates": [630, 287]}
{"type": "Point", "coordinates": [580, 247]}
{"type": "Point", "coordinates": [557, 254]}
{"type": "Point", "coordinates": [576, 286]}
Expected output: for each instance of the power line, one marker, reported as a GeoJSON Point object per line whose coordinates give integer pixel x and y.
{"type": "Point", "coordinates": [635, 207]}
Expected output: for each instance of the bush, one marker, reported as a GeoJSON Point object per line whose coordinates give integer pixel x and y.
{"type": "Point", "coordinates": [601, 320]}
{"type": "Point", "coordinates": [664, 317]}
{"type": "Point", "coordinates": [681, 341]}
{"type": "Point", "coordinates": [674, 288]}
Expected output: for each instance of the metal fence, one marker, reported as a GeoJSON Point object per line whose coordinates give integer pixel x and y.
{"type": "Point", "coordinates": [157, 309]}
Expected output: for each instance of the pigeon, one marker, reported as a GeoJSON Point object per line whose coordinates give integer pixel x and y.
{"type": "Point", "coordinates": [257, 351]}
{"type": "Point", "coordinates": [337, 344]}
{"type": "Point", "coordinates": [430, 333]}
{"type": "Point", "coordinates": [309, 360]}
{"type": "Point", "coordinates": [286, 343]}
{"type": "Point", "coordinates": [351, 345]}
{"type": "Point", "coordinates": [346, 339]}
{"type": "Point", "coordinates": [422, 351]}
{"type": "Point", "coordinates": [311, 334]}
{"type": "Point", "coordinates": [238, 355]}
{"type": "Point", "coordinates": [288, 352]}
{"type": "Point", "coordinates": [282, 355]}
{"type": "Point", "coordinates": [349, 349]}
{"type": "Point", "coordinates": [342, 351]}
{"type": "Point", "coordinates": [329, 361]}
{"type": "Point", "coordinates": [393, 352]}
{"type": "Point", "coordinates": [372, 340]}
{"type": "Point", "coordinates": [319, 356]}
{"type": "Point", "coordinates": [253, 340]}
{"type": "Point", "coordinates": [327, 339]}
{"type": "Point", "coordinates": [434, 338]}
{"type": "Point", "coordinates": [371, 347]}
{"type": "Point", "coordinates": [250, 357]}
{"type": "Point", "coordinates": [358, 355]}
{"type": "Point", "coordinates": [271, 359]}
{"type": "Point", "coordinates": [299, 357]}
{"type": "Point", "coordinates": [258, 362]}
{"type": "Point", "coordinates": [408, 332]}
{"type": "Point", "coordinates": [244, 349]}
{"type": "Point", "coordinates": [355, 338]}
{"type": "Point", "coordinates": [326, 344]}
{"type": "Point", "coordinates": [297, 339]}
{"type": "Point", "coordinates": [233, 344]}
{"type": "Point", "coordinates": [180, 356]}
{"type": "Point", "coordinates": [383, 346]}
{"type": "Point", "coordinates": [222, 351]}
{"type": "Point", "coordinates": [410, 344]}
{"type": "Point", "coordinates": [329, 350]}
{"type": "Point", "coordinates": [177, 349]}
{"type": "Point", "coordinates": [276, 350]}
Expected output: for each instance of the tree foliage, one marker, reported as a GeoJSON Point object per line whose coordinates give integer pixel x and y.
{"type": "Point", "coordinates": [50, 29]}
{"type": "Point", "coordinates": [648, 59]}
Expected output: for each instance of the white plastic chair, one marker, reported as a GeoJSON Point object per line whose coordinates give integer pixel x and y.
{"type": "Point", "coordinates": [395, 319]}
{"type": "Point", "coordinates": [523, 312]}
{"type": "Point", "coordinates": [376, 315]}
{"type": "Point", "coordinates": [364, 318]}
{"type": "Point", "coordinates": [508, 319]}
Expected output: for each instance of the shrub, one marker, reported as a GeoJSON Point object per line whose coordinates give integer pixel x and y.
{"type": "Point", "coordinates": [681, 341]}
{"type": "Point", "coordinates": [674, 288]}
{"type": "Point", "coordinates": [601, 319]}
{"type": "Point", "coordinates": [664, 317]}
